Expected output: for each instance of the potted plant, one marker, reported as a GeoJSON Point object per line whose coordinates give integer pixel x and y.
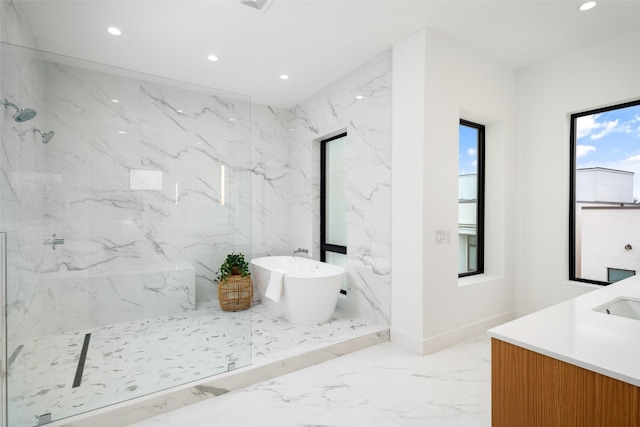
{"type": "Point", "coordinates": [233, 265]}
{"type": "Point", "coordinates": [235, 289]}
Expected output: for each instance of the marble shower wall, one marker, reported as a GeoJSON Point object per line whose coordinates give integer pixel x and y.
{"type": "Point", "coordinates": [139, 181]}
{"type": "Point", "coordinates": [22, 163]}
{"type": "Point", "coordinates": [286, 179]}
{"type": "Point", "coordinates": [129, 183]}
{"type": "Point", "coordinates": [271, 138]}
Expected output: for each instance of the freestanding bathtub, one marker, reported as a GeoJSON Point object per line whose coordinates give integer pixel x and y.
{"type": "Point", "coordinates": [310, 288]}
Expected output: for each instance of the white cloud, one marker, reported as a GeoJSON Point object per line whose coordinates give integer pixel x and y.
{"type": "Point", "coordinates": [633, 159]}
{"type": "Point", "coordinates": [583, 150]}
{"type": "Point", "coordinates": [589, 125]}
{"type": "Point", "coordinates": [472, 151]}
{"type": "Point", "coordinates": [608, 127]}
{"type": "Point", "coordinates": [585, 125]}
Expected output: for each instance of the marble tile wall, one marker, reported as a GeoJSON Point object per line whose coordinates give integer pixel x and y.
{"type": "Point", "coordinates": [78, 186]}
{"type": "Point", "coordinates": [23, 177]}
{"type": "Point", "coordinates": [21, 210]}
{"type": "Point", "coordinates": [94, 299]}
{"type": "Point", "coordinates": [286, 179]}
{"type": "Point", "coordinates": [271, 139]}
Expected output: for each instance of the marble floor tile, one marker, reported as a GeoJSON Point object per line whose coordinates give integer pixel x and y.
{"type": "Point", "coordinates": [133, 359]}
{"type": "Point", "coordinates": [383, 385]}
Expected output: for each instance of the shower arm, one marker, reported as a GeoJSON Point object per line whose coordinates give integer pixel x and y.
{"type": "Point", "coordinates": [8, 103]}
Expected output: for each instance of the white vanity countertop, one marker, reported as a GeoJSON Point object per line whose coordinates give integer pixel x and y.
{"type": "Point", "coordinates": [572, 332]}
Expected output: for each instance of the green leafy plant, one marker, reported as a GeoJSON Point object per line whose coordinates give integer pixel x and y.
{"type": "Point", "coordinates": [233, 264]}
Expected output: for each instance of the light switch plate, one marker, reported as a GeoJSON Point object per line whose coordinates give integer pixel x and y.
{"type": "Point", "coordinates": [443, 236]}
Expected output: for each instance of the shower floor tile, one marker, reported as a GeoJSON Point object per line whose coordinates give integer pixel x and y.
{"type": "Point", "coordinates": [129, 360]}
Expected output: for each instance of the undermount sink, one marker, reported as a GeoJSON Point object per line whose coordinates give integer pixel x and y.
{"type": "Point", "coordinates": [622, 306]}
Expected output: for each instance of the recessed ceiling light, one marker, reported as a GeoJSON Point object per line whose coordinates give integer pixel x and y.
{"type": "Point", "coordinates": [359, 97]}
{"type": "Point", "coordinates": [284, 77]}
{"type": "Point", "coordinates": [114, 31]}
{"type": "Point", "coordinates": [212, 58]}
{"type": "Point", "coordinates": [115, 100]}
{"type": "Point", "coordinates": [121, 132]}
{"type": "Point", "coordinates": [588, 5]}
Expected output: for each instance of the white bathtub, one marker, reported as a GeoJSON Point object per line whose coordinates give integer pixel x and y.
{"type": "Point", "coordinates": [310, 292]}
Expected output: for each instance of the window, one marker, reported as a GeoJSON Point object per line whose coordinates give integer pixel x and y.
{"type": "Point", "coordinates": [472, 243]}
{"type": "Point", "coordinates": [471, 146]}
{"type": "Point", "coordinates": [605, 193]}
{"type": "Point", "coordinates": [333, 201]}
{"type": "Point", "coordinates": [616, 274]}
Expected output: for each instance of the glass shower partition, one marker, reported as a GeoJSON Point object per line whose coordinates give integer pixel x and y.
{"type": "Point", "coordinates": [115, 226]}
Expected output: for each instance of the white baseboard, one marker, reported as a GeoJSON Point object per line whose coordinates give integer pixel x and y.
{"type": "Point", "coordinates": [406, 340]}
{"type": "Point", "coordinates": [424, 346]}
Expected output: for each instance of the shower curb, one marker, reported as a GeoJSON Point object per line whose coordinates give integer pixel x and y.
{"type": "Point", "coordinates": [141, 408]}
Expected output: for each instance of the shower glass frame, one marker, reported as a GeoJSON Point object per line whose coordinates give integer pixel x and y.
{"type": "Point", "coordinates": [126, 185]}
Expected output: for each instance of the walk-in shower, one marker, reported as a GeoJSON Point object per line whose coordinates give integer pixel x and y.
{"type": "Point", "coordinates": [46, 136]}
{"type": "Point", "coordinates": [114, 232]}
{"type": "Point", "coordinates": [21, 114]}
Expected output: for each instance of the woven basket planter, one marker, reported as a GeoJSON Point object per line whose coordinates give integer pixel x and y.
{"type": "Point", "coordinates": [235, 293]}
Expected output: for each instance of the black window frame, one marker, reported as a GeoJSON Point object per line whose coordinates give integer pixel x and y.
{"type": "Point", "coordinates": [572, 185]}
{"type": "Point", "coordinates": [324, 245]}
{"type": "Point", "coordinates": [480, 203]}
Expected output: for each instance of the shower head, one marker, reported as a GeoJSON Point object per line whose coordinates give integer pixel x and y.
{"type": "Point", "coordinates": [21, 114]}
{"type": "Point", "coordinates": [46, 136]}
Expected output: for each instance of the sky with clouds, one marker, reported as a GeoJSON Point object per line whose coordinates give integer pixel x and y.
{"type": "Point", "coordinates": [610, 140]}
{"type": "Point", "coordinates": [468, 146]}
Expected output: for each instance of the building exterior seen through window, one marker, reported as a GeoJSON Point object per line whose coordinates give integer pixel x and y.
{"type": "Point", "coordinates": [333, 201]}
{"type": "Point", "coordinates": [471, 198]}
{"type": "Point", "coordinates": [604, 227]}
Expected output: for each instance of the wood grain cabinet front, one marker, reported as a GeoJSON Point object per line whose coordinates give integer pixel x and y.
{"type": "Point", "coordinates": [529, 389]}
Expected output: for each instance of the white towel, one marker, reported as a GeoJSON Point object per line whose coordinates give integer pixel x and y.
{"type": "Point", "coordinates": [276, 283]}
{"type": "Point", "coordinates": [274, 288]}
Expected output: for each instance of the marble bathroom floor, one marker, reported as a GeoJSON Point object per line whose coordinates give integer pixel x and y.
{"type": "Point", "coordinates": [132, 359]}
{"type": "Point", "coordinates": [384, 385]}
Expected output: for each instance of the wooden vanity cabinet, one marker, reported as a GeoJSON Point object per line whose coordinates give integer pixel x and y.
{"type": "Point", "coordinates": [529, 389]}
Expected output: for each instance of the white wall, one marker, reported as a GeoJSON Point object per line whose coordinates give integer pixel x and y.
{"type": "Point", "coordinates": [604, 185]}
{"type": "Point", "coordinates": [458, 83]}
{"type": "Point", "coordinates": [468, 186]}
{"type": "Point", "coordinates": [601, 75]}
{"type": "Point", "coordinates": [605, 233]}
{"type": "Point", "coordinates": [407, 245]}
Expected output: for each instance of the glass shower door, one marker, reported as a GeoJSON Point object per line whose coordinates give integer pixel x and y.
{"type": "Point", "coordinates": [115, 227]}
{"type": "Point", "coordinates": [24, 220]}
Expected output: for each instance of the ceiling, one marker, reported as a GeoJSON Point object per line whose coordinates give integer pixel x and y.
{"type": "Point", "coordinates": [314, 42]}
